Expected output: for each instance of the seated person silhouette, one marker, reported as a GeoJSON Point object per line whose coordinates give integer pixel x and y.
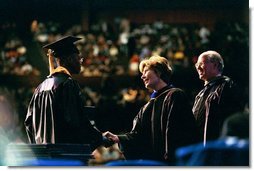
{"type": "Point", "coordinates": [231, 149]}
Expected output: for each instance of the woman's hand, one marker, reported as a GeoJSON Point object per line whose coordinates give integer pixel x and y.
{"type": "Point", "coordinates": [111, 136]}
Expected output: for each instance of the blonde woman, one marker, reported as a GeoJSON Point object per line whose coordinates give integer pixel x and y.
{"type": "Point", "coordinates": [164, 123]}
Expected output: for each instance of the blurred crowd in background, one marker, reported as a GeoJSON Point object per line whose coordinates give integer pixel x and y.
{"type": "Point", "coordinates": [116, 50]}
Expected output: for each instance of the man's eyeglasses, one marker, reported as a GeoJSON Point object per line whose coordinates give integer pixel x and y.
{"type": "Point", "coordinates": [200, 64]}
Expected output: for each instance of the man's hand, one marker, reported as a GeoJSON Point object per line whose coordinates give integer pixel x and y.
{"type": "Point", "coordinates": [107, 142]}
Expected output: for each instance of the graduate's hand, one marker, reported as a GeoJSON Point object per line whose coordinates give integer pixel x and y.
{"type": "Point", "coordinates": [107, 142]}
{"type": "Point", "coordinates": [111, 136]}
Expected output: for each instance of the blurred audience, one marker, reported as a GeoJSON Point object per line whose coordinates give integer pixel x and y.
{"type": "Point", "coordinates": [104, 155]}
{"type": "Point", "coordinates": [13, 53]}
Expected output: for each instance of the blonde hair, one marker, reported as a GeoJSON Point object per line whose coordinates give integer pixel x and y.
{"type": "Point", "coordinates": [159, 64]}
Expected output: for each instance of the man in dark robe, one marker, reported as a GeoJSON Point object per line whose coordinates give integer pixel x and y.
{"type": "Point", "coordinates": [56, 111]}
{"type": "Point", "coordinates": [162, 125]}
{"type": "Point", "coordinates": [217, 100]}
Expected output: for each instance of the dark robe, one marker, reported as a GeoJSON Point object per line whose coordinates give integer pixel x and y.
{"type": "Point", "coordinates": [214, 103]}
{"type": "Point", "coordinates": [56, 114]}
{"type": "Point", "coordinates": [161, 126]}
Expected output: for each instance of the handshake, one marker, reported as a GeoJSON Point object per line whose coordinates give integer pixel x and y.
{"type": "Point", "coordinates": [108, 151]}
{"type": "Point", "coordinates": [109, 139]}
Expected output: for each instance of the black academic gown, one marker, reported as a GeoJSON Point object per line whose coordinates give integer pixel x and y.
{"type": "Point", "coordinates": [56, 114]}
{"type": "Point", "coordinates": [214, 103]}
{"type": "Point", "coordinates": [161, 126]}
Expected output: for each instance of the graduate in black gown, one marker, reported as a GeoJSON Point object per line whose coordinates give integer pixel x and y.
{"type": "Point", "coordinates": [56, 111]}
{"type": "Point", "coordinates": [162, 125]}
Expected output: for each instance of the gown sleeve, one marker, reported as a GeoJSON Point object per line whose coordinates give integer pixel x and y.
{"type": "Point", "coordinates": [75, 116]}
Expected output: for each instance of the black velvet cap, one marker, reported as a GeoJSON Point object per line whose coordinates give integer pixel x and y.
{"type": "Point", "coordinates": [64, 46]}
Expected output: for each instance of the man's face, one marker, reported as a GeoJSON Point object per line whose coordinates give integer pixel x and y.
{"type": "Point", "coordinates": [75, 63]}
{"type": "Point", "coordinates": [150, 78]}
{"type": "Point", "coordinates": [206, 69]}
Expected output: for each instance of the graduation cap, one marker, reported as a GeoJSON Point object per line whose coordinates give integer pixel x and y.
{"type": "Point", "coordinates": [64, 46]}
